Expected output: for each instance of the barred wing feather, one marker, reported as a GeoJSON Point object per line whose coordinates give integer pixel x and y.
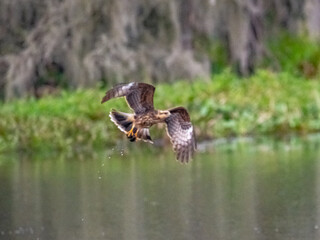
{"type": "Point", "coordinates": [181, 133]}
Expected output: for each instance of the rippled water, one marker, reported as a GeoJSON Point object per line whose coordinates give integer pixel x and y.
{"type": "Point", "coordinates": [238, 190]}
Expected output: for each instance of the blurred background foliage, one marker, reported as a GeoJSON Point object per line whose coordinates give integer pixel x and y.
{"type": "Point", "coordinates": [48, 45]}
{"type": "Point", "coordinates": [242, 67]}
{"type": "Point", "coordinates": [227, 105]}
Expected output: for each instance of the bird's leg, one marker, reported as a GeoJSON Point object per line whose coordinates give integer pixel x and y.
{"type": "Point", "coordinates": [133, 132]}
{"type": "Point", "coordinates": [130, 133]}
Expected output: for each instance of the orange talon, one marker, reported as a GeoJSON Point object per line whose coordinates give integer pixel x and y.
{"type": "Point", "coordinates": [135, 134]}
{"type": "Point", "coordinates": [130, 133]}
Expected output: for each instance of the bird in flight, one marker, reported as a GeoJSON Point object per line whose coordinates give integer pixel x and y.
{"type": "Point", "coordinates": [139, 97]}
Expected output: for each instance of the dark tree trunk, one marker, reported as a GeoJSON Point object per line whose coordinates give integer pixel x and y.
{"type": "Point", "coordinates": [245, 33]}
{"type": "Point", "coordinates": [312, 15]}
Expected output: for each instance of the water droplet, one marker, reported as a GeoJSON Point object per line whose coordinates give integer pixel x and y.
{"type": "Point", "coordinates": [21, 230]}
{"type": "Point", "coordinates": [102, 164]}
{"type": "Point", "coordinates": [99, 177]}
{"type": "Point", "coordinates": [82, 219]}
{"type": "Point", "coordinates": [256, 230]}
{"type": "Point", "coordinates": [153, 203]}
{"type": "Point", "coordinates": [316, 227]}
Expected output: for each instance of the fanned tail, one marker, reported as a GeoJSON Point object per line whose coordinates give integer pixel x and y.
{"type": "Point", "coordinates": [124, 121]}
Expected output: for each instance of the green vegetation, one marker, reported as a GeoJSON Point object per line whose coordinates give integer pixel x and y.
{"type": "Point", "coordinates": [297, 55]}
{"type": "Point", "coordinates": [267, 103]}
{"type": "Point", "coordinates": [225, 106]}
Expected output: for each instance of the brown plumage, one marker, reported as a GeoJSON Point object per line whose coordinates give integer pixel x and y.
{"type": "Point", "coordinates": [139, 97]}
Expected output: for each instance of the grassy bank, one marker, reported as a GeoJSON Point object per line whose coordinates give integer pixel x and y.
{"type": "Point", "coordinates": [265, 103]}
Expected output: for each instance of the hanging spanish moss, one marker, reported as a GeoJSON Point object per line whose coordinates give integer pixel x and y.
{"type": "Point", "coordinates": [50, 44]}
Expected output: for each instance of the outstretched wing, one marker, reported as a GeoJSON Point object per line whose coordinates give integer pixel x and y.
{"type": "Point", "coordinates": [180, 131]}
{"type": "Point", "coordinates": [139, 96]}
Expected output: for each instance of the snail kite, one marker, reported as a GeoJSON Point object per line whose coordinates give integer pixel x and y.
{"type": "Point", "coordinates": [136, 126]}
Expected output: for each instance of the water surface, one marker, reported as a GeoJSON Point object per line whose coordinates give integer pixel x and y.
{"type": "Point", "coordinates": [238, 190]}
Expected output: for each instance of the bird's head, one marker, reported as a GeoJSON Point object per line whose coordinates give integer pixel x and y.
{"type": "Point", "coordinates": [163, 114]}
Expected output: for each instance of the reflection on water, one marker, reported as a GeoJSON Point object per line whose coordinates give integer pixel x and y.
{"type": "Point", "coordinates": [237, 191]}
